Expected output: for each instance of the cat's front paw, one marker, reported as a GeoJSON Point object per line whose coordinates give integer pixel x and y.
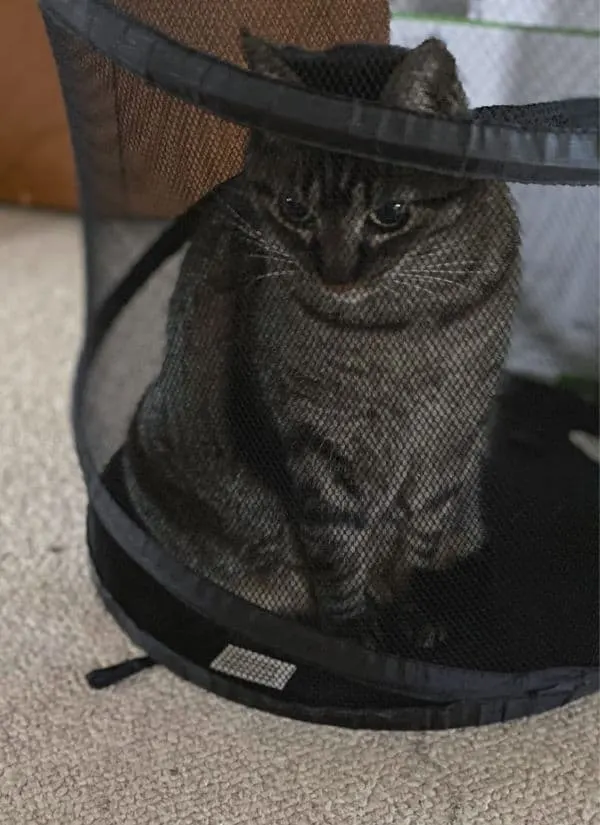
{"type": "Point", "coordinates": [359, 629]}
{"type": "Point", "coordinates": [406, 630]}
{"type": "Point", "coordinates": [430, 636]}
{"type": "Point", "coordinates": [420, 632]}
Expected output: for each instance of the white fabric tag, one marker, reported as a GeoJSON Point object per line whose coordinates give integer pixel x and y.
{"type": "Point", "coordinates": [253, 667]}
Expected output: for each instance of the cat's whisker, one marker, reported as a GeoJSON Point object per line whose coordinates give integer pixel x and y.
{"type": "Point", "coordinates": [432, 270]}
{"type": "Point", "coordinates": [411, 282]}
{"type": "Point", "coordinates": [410, 275]}
{"type": "Point", "coordinates": [423, 289]}
{"type": "Point", "coordinates": [276, 274]}
{"type": "Point", "coordinates": [266, 248]}
{"type": "Point", "coordinates": [248, 233]}
{"type": "Point", "coordinates": [279, 273]}
{"type": "Point", "coordinates": [407, 277]}
{"type": "Point", "coordinates": [270, 255]}
{"type": "Point", "coordinates": [247, 230]}
{"type": "Point", "coordinates": [255, 239]}
{"type": "Point", "coordinates": [238, 216]}
{"type": "Point", "coordinates": [433, 259]}
{"type": "Point", "coordinates": [442, 270]}
{"type": "Point", "coordinates": [447, 273]}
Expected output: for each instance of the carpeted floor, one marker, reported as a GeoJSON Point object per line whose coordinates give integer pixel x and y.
{"type": "Point", "coordinates": [154, 749]}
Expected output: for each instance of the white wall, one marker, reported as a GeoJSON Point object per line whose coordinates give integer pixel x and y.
{"type": "Point", "coordinates": [556, 325]}
{"type": "Point", "coordinates": [576, 14]}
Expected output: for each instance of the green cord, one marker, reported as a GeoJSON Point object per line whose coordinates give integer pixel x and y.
{"type": "Point", "coordinates": [586, 388]}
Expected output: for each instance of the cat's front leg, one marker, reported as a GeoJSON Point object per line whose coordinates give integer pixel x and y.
{"type": "Point", "coordinates": [254, 552]}
{"type": "Point", "coordinates": [338, 576]}
{"type": "Point", "coordinates": [443, 526]}
{"type": "Point", "coordinates": [332, 527]}
{"type": "Point", "coordinates": [446, 527]}
{"type": "Point", "coordinates": [441, 495]}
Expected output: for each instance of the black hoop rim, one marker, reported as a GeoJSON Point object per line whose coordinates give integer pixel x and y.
{"type": "Point", "coordinates": [494, 143]}
{"type": "Point", "coordinates": [434, 716]}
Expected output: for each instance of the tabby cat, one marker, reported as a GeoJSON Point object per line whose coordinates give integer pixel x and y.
{"type": "Point", "coordinates": [334, 344]}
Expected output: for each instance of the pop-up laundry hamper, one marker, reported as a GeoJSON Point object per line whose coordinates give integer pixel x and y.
{"type": "Point", "coordinates": [157, 114]}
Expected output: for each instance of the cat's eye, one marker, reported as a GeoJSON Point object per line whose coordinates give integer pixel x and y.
{"type": "Point", "coordinates": [294, 210]}
{"type": "Point", "coordinates": [390, 215]}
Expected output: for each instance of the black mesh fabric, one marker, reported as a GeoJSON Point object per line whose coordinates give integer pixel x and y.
{"type": "Point", "coordinates": [293, 411]}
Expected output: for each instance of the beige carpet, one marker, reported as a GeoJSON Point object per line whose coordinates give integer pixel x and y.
{"type": "Point", "coordinates": [154, 749]}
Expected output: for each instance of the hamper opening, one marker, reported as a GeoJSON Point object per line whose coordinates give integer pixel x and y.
{"type": "Point", "coordinates": [296, 408]}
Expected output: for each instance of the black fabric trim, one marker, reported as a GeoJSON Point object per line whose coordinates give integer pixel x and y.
{"type": "Point", "coordinates": [400, 714]}
{"type": "Point", "coordinates": [287, 638]}
{"type": "Point", "coordinates": [497, 142]}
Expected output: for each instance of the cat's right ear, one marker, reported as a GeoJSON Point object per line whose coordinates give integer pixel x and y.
{"type": "Point", "coordinates": [426, 80]}
{"type": "Point", "coordinates": [264, 58]}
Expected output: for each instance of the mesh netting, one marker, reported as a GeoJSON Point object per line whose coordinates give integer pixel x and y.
{"type": "Point", "coordinates": [295, 405]}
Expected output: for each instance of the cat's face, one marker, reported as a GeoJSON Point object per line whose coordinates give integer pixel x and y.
{"type": "Point", "coordinates": [352, 227]}
{"type": "Point", "coordinates": [346, 221]}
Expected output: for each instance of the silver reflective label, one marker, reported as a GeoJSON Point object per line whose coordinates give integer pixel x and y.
{"type": "Point", "coordinates": [253, 667]}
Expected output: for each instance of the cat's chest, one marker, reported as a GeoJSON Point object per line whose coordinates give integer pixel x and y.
{"type": "Point", "coordinates": [300, 355]}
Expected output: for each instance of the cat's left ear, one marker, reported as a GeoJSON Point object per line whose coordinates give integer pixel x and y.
{"type": "Point", "coordinates": [426, 80]}
{"type": "Point", "coordinates": [264, 58]}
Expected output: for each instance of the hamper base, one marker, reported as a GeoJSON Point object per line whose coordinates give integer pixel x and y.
{"type": "Point", "coordinates": [187, 644]}
{"type": "Point", "coordinates": [530, 447]}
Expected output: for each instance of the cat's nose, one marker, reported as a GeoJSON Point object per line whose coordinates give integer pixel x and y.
{"type": "Point", "coordinates": [338, 266]}
{"type": "Point", "coordinates": [339, 275]}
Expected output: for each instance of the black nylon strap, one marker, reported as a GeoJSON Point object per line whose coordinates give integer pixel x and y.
{"type": "Point", "coordinates": [505, 143]}
{"type": "Point", "coordinates": [108, 676]}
